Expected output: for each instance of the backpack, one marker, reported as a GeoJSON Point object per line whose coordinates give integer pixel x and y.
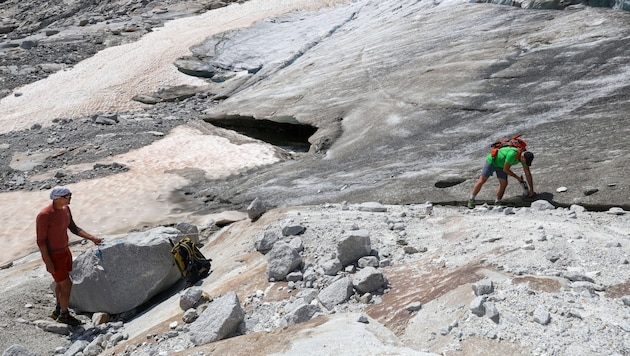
{"type": "Point", "coordinates": [192, 264]}
{"type": "Point", "coordinates": [515, 141]}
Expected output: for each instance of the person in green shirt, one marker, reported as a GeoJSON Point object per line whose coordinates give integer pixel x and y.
{"type": "Point", "coordinates": [502, 164]}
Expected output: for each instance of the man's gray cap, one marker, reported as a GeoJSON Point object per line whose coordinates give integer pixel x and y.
{"type": "Point", "coordinates": [58, 192]}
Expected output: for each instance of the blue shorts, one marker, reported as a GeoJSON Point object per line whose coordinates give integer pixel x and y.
{"type": "Point", "coordinates": [487, 170]}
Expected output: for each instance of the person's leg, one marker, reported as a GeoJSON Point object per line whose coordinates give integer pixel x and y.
{"type": "Point", "coordinates": [486, 172]}
{"type": "Point", "coordinates": [477, 188]}
{"type": "Point", "coordinates": [62, 291]}
{"type": "Point", "coordinates": [501, 190]}
{"type": "Point", "coordinates": [63, 287]}
{"type": "Point", "coordinates": [503, 182]}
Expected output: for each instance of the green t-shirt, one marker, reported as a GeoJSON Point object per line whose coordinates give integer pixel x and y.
{"type": "Point", "coordinates": [505, 154]}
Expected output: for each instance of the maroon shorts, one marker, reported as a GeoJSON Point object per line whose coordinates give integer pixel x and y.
{"type": "Point", "coordinates": [63, 265]}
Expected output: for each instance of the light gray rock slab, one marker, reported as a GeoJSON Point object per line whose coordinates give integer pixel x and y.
{"type": "Point", "coordinates": [121, 275]}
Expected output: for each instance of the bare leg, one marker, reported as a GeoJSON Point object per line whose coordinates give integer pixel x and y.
{"type": "Point", "coordinates": [480, 182]}
{"type": "Point", "coordinates": [62, 292]}
{"type": "Point", "coordinates": [501, 190]}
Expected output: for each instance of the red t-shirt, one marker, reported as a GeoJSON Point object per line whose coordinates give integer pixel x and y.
{"type": "Point", "coordinates": [52, 228]}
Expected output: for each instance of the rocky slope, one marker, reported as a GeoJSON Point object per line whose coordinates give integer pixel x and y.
{"type": "Point", "coordinates": [537, 280]}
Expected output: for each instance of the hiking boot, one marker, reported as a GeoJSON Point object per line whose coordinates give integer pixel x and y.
{"type": "Point", "coordinates": [471, 204]}
{"type": "Point", "coordinates": [54, 315]}
{"type": "Point", "coordinates": [66, 318]}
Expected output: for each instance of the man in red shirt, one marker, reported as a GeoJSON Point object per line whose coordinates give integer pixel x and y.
{"type": "Point", "coordinates": [53, 223]}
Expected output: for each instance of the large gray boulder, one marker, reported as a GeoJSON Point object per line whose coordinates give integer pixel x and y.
{"type": "Point", "coordinates": [353, 246]}
{"type": "Point", "coordinates": [221, 319]}
{"type": "Point", "coordinates": [121, 275]}
{"type": "Point", "coordinates": [282, 260]}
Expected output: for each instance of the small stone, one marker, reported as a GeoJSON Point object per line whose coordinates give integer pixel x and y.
{"type": "Point", "coordinates": [542, 205]}
{"type": "Point", "coordinates": [477, 306]}
{"type": "Point", "coordinates": [100, 318]}
{"type": "Point", "coordinates": [374, 207]}
{"type": "Point", "coordinates": [415, 306]}
{"type": "Point", "coordinates": [492, 312]}
{"type": "Point", "coordinates": [542, 316]}
{"type": "Point", "coordinates": [553, 257]}
{"type": "Point", "coordinates": [410, 250]}
{"type": "Point", "coordinates": [561, 189]}
{"type": "Point", "coordinates": [189, 316]}
{"type": "Point", "coordinates": [483, 287]}
{"type": "Point", "coordinates": [293, 230]}
{"type": "Point", "coordinates": [590, 190]}
{"type": "Point", "coordinates": [616, 211]}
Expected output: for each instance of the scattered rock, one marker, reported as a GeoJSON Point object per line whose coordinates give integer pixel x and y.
{"type": "Point", "coordinates": [18, 350]}
{"type": "Point", "coordinates": [415, 306]}
{"type": "Point", "coordinates": [477, 306]}
{"type": "Point", "coordinates": [336, 293]}
{"type": "Point", "coordinates": [353, 246]}
{"type": "Point", "coordinates": [368, 280]}
{"type": "Point", "coordinates": [282, 259]}
{"type": "Point", "coordinates": [222, 318]}
{"type": "Point", "coordinates": [190, 298]}
{"type": "Point", "coordinates": [616, 211]}
{"type": "Point", "coordinates": [483, 287]}
{"type": "Point", "coordinates": [264, 243]}
{"type": "Point", "coordinates": [293, 230]}
{"type": "Point", "coordinates": [541, 315]}
{"type": "Point", "coordinates": [542, 205]}
{"type": "Point", "coordinates": [256, 208]}
{"type": "Point", "coordinates": [372, 207]}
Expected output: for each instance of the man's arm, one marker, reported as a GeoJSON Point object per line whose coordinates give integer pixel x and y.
{"type": "Point", "coordinates": [82, 233]}
{"type": "Point", "coordinates": [40, 224]}
{"type": "Point", "coordinates": [508, 171]}
{"type": "Point", "coordinates": [530, 180]}
{"type": "Point", "coordinates": [50, 266]}
{"type": "Point", "coordinates": [86, 235]}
